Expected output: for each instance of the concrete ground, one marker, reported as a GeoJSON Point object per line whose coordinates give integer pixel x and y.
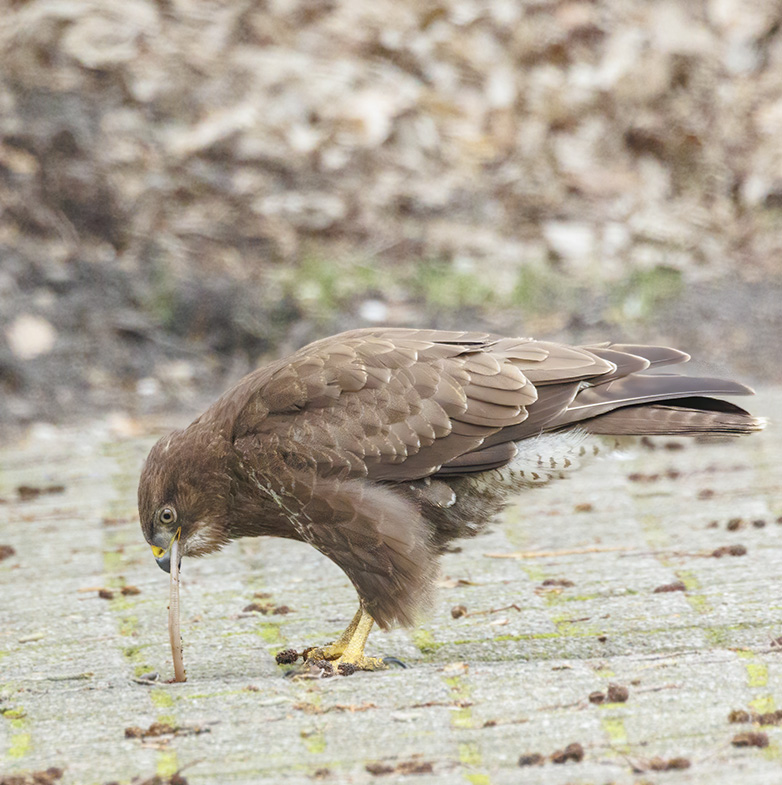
{"type": "Point", "coordinates": [560, 602]}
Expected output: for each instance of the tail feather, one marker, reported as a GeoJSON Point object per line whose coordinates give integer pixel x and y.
{"type": "Point", "coordinates": [687, 417]}
{"type": "Point", "coordinates": [640, 389]}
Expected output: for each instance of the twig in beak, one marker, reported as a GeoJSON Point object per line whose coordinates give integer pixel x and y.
{"type": "Point", "coordinates": [173, 615]}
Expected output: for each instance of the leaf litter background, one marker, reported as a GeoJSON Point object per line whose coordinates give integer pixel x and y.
{"type": "Point", "coordinates": [187, 187]}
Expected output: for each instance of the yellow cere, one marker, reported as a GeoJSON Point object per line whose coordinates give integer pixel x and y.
{"type": "Point", "coordinates": [157, 552]}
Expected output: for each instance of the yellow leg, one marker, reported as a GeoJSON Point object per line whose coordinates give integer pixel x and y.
{"type": "Point", "coordinates": [347, 652]}
{"type": "Point", "coordinates": [353, 658]}
{"type": "Point", "coordinates": [332, 651]}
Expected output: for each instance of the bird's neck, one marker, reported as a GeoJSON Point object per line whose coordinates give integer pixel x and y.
{"type": "Point", "coordinates": [262, 506]}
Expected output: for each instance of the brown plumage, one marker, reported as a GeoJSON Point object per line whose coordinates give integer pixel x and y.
{"type": "Point", "coordinates": [378, 446]}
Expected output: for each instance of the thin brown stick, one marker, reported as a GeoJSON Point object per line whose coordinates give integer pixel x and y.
{"type": "Point", "coordinates": [173, 616]}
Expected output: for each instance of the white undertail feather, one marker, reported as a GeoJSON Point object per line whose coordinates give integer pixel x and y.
{"type": "Point", "coordinates": [549, 456]}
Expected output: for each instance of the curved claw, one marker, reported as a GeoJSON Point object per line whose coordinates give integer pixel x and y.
{"type": "Point", "coordinates": [393, 661]}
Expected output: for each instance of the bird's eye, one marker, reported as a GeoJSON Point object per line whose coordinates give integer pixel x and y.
{"type": "Point", "coordinates": [167, 516]}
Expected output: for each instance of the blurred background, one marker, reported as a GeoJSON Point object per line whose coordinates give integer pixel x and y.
{"type": "Point", "coordinates": [191, 187]}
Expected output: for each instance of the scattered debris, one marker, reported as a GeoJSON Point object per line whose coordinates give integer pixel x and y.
{"type": "Point", "coordinates": [28, 492]}
{"type": "Point", "coordinates": [596, 696]}
{"type": "Point", "coordinates": [729, 550]}
{"type": "Point", "coordinates": [512, 607]}
{"type": "Point", "coordinates": [734, 524]}
{"type": "Point", "coordinates": [583, 507]}
{"type": "Point", "coordinates": [412, 766]}
{"type": "Point", "coordinates": [659, 764]}
{"type": "Point", "coordinates": [617, 693]}
{"type": "Point", "coordinates": [311, 708]}
{"type": "Point", "coordinates": [672, 764]}
{"type": "Point", "coordinates": [266, 608]}
{"type": "Point", "coordinates": [532, 759]}
{"type": "Point", "coordinates": [35, 636]}
{"type": "Point", "coordinates": [128, 591]}
{"type": "Point", "coordinates": [666, 587]}
{"type": "Point", "coordinates": [287, 657]}
{"type": "Point", "coordinates": [460, 703]}
{"type": "Point", "coordinates": [705, 493]}
{"type": "Point", "coordinates": [458, 611]}
{"type": "Point", "coordinates": [47, 777]}
{"type": "Point", "coordinates": [641, 477]}
{"type": "Point", "coordinates": [750, 739]}
{"type": "Point", "coordinates": [557, 582]}
{"type": "Point", "coordinates": [106, 594]}
{"type": "Point", "coordinates": [670, 474]}
{"type": "Point", "coordinates": [574, 752]}
{"type": "Point", "coordinates": [759, 718]}
{"type": "Point", "coordinates": [6, 551]}
{"type": "Point", "coordinates": [325, 667]}
{"type": "Point", "coordinates": [157, 729]}
{"type": "Point", "coordinates": [378, 769]}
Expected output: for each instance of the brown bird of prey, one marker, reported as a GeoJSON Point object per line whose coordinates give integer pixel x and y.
{"type": "Point", "coordinates": [379, 446]}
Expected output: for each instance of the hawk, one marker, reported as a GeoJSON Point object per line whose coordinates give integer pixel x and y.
{"type": "Point", "coordinates": [380, 446]}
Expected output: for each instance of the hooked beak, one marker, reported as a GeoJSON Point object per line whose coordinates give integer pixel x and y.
{"type": "Point", "coordinates": [163, 555]}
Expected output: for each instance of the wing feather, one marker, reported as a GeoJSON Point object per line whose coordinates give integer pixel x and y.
{"type": "Point", "coordinates": [398, 405]}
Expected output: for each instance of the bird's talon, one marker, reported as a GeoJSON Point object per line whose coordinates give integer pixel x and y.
{"type": "Point", "coordinates": [393, 661]}
{"type": "Point", "coordinates": [331, 651]}
{"type": "Point", "coordinates": [350, 666]}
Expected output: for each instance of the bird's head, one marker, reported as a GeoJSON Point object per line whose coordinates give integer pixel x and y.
{"type": "Point", "coordinates": [184, 494]}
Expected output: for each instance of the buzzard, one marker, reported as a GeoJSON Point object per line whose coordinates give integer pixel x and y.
{"type": "Point", "coordinates": [380, 446]}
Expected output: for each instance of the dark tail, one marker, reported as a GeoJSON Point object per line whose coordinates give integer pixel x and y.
{"type": "Point", "coordinates": [659, 404]}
